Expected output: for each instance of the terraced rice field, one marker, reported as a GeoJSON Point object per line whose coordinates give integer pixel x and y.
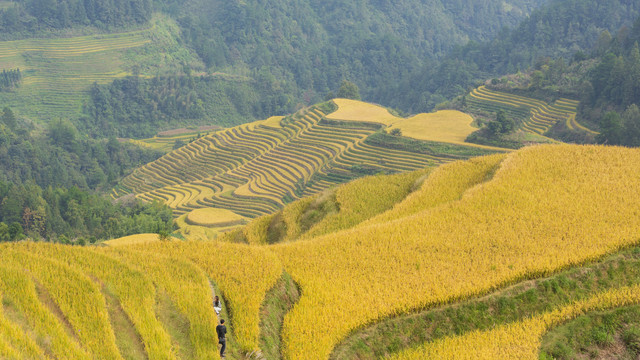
{"type": "Point", "coordinates": [254, 169]}
{"type": "Point", "coordinates": [532, 115]}
{"type": "Point", "coordinates": [57, 72]}
{"type": "Point", "coordinates": [166, 141]}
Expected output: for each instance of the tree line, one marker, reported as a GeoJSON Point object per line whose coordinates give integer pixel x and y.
{"type": "Point", "coordinates": [612, 94]}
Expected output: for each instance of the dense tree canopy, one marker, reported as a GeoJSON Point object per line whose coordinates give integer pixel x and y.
{"type": "Point", "coordinates": [139, 107]}
{"type": "Point", "coordinates": [562, 28]}
{"type": "Point", "coordinates": [50, 184]}
{"type": "Point", "coordinates": [33, 15]}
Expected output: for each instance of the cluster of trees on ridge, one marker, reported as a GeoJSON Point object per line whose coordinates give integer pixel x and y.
{"type": "Point", "coordinates": [9, 79]}
{"type": "Point", "coordinates": [73, 215]}
{"type": "Point", "coordinates": [50, 184]}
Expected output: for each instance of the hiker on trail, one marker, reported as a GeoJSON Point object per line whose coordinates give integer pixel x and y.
{"type": "Point", "coordinates": [216, 305]}
{"type": "Point", "coordinates": [222, 332]}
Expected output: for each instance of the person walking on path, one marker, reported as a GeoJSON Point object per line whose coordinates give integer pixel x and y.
{"type": "Point", "coordinates": [222, 332]}
{"type": "Point", "coordinates": [216, 305]}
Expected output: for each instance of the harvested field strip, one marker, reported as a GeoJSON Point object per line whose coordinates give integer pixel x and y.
{"type": "Point", "coordinates": [181, 195]}
{"type": "Point", "coordinates": [285, 169]}
{"type": "Point", "coordinates": [309, 156]}
{"type": "Point", "coordinates": [335, 134]}
{"type": "Point", "coordinates": [510, 97]}
{"type": "Point", "coordinates": [247, 138]}
{"type": "Point", "coordinates": [273, 202]}
{"type": "Point", "coordinates": [334, 149]}
{"type": "Point", "coordinates": [262, 186]}
{"type": "Point", "coordinates": [310, 149]}
{"type": "Point", "coordinates": [251, 148]}
{"type": "Point", "coordinates": [257, 203]}
{"type": "Point", "coordinates": [488, 106]}
{"type": "Point", "coordinates": [228, 138]}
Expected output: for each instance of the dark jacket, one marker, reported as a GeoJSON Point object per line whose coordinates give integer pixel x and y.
{"type": "Point", "coordinates": [222, 332]}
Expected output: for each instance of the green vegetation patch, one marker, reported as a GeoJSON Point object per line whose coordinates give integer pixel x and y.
{"type": "Point", "coordinates": [384, 140]}
{"type": "Point", "coordinates": [278, 301]}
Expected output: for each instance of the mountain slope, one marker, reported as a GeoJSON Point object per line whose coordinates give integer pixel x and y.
{"type": "Point", "coordinates": [471, 228]}
{"type": "Point", "coordinates": [255, 169]}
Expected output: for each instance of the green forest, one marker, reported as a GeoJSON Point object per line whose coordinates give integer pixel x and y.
{"type": "Point", "coordinates": [51, 185]}
{"type": "Point", "coordinates": [23, 17]}
{"type": "Point", "coordinates": [138, 107]}
{"type": "Point", "coordinates": [561, 29]}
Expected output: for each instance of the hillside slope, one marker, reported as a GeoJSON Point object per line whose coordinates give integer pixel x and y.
{"type": "Point", "coordinates": [311, 46]}
{"type": "Point", "coordinates": [57, 73]}
{"type": "Point", "coordinates": [540, 212]}
{"type": "Point", "coordinates": [470, 228]}
{"type": "Point", "coordinates": [255, 169]}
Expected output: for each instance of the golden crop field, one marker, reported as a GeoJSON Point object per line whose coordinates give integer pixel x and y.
{"type": "Point", "coordinates": [521, 340]}
{"type": "Point", "coordinates": [354, 110]}
{"type": "Point", "coordinates": [445, 125]}
{"type": "Point", "coordinates": [361, 199]}
{"type": "Point", "coordinates": [212, 217]}
{"type": "Point", "coordinates": [554, 204]}
{"type": "Point", "coordinates": [133, 239]}
{"type": "Point", "coordinates": [471, 227]}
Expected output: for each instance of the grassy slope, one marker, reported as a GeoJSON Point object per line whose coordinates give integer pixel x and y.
{"type": "Point", "coordinates": [57, 72]}
{"type": "Point", "coordinates": [600, 335]}
{"type": "Point", "coordinates": [279, 300]}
